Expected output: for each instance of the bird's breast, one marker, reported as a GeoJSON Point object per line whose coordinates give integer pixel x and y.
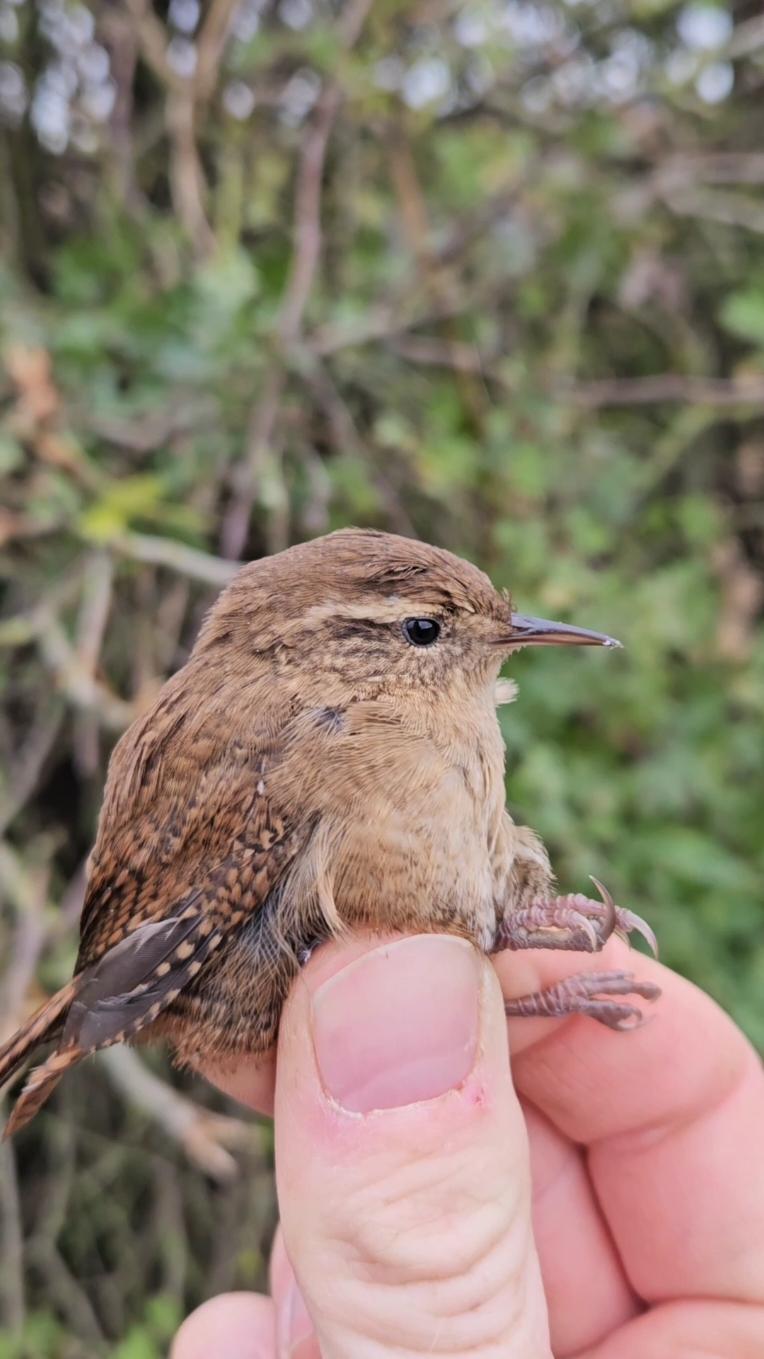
{"type": "Point", "coordinates": [412, 825]}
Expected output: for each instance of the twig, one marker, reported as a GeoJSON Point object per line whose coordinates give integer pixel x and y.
{"type": "Point", "coordinates": [153, 39]}
{"type": "Point", "coordinates": [170, 613]}
{"type": "Point", "coordinates": [381, 323]}
{"type": "Point", "coordinates": [94, 609]}
{"type": "Point", "coordinates": [742, 593]}
{"type": "Point", "coordinates": [22, 628]}
{"type": "Point", "coordinates": [176, 1252]}
{"type": "Point", "coordinates": [204, 1136]}
{"type": "Point", "coordinates": [746, 39]}
{"type": "Point", "coordinates": [711, 167]}
{"type": "Point", "coordinates": [71, 902]}
{"type": "Point", "coordinates": [453, 354]}
{"type": "Point", "coordinates": [473, 227]}
{"type": "Point", "coordinates": [670, 387]}
{"type": "Point", "coordinates": [91, 624]}
{"type": "Point", "coordinates": [187, 561]}
{"type": "Point", "coordinates": [15, 527]}
{"type": "Point", "coordinates": [65, 1290]}
{"type": "Point", "coordinates": [439, 283]}
{"type": "Point", "coordinates": [187, 182]}
{"type": "Point", "coordinates": [145, 434]}
{"type": "Point", "coordinates": [304, 263]}
{"type": "Point", "coordinates": [80, 688]}
{"type": "Point", "coordinates": [248, 474]}
{"type": "Point", "coordinates": [184, 97]}
{"type": "Point", "coordinates": [378, 324]}
{"type": "Point", "coordinates": [12, 1247]}
{"type": "Point", "coordinates": [306, 254]}
{"type": "Point", "coordinates": [307, 215]}
{"type": "Point", "coordinates": [346, 436]}
{"type": "Point", "coordinates": [28, 894]}
{"type": "Point", "coordinates": [728, 208]}
{"type": "Point", "coordinates": [210, 46]}
{"type": "Point", "coordinates": [27, 767]}
{"type": "Point", "coordinates": [121, 41]}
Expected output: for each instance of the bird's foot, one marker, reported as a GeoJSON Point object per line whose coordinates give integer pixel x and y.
{"type": "Point", "coordinates": [574, 922]}
{"type": "Point", "coordinates": [588, 993]}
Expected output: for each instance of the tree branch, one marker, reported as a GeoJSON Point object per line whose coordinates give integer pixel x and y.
{"type": "Point", "coordinates": [187, 561]}
{"type": "Point", "coordinates": [184, 96]}
{"type": "Point", "coordinates": [204, 1136]}
{"type": "Point", "coordinates": [670, 387]}
{"type": "Point", "coordinates": [306, 254]}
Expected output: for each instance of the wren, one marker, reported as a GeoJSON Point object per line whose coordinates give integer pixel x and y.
{"type": "Point", "coordinates": [327, 760]}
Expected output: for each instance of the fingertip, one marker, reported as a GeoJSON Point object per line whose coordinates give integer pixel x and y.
{"type": "Point", "coordinates": [234, 1325]}
{"type": "Point", "coordinates": [249, 1080]}
{"type": "Point", "coordinates": [534, 970]}
{"type": "Point", "coordinates": [593, 1082]}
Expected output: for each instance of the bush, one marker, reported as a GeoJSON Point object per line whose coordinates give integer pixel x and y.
{"type": "Point", "coordinates": [490, 275]}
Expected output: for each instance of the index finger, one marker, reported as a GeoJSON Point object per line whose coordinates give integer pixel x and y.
{"type": "Point", "coordinates": [671, 1115]}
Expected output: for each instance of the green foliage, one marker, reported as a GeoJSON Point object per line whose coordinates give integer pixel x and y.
{"type": "Point", "coordinates": [148, 1339]}
{"type": "Point", "coordinates": [743, 314]}
{"type": "Point", "coordinates": [533, 333]}
{"type": "Point", "coordinates": [43, 1337]}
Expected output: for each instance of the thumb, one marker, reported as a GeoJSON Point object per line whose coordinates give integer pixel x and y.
{"type": "Point", "coordinates": [402, 1161]}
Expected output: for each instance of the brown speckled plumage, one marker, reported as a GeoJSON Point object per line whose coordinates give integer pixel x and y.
{"type": "Point", "coordinates": [308, 771]}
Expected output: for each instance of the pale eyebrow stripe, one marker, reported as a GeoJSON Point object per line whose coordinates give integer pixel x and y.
{"type": "Point", "coordinates": [379, 610]}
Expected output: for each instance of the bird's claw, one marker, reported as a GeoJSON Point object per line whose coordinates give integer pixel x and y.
{"type": "Point", "coordinates": [625, 922]}
{"type": "Point", "coordinates": [573, 922]}
{"type": "Point", "coordinates": [589, 993]}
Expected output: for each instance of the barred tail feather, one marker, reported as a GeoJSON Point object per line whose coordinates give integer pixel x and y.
{"type": "Point", "coordinates": [40, 1084]}
{"type": "Point", "coordinates": [40, 1027]}
{"type": "Point", "coordinates": [44, 1024]}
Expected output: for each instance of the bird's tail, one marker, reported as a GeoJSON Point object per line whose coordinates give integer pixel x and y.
{"type": "Point", "coordinates": [40, 1084]}
{"type": "Point", "coordinates": [43, 1025]}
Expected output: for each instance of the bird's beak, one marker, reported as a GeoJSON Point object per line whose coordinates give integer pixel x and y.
{"type": "Point", "coordinates": [526, 631]}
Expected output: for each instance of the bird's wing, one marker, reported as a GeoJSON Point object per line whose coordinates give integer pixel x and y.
{"type": "Point", "coordinates": [177, 867]}
{"type": "Point", "coordinates": [143, 943]}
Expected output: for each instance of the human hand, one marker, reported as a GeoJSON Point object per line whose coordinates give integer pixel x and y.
{"type": "Point", "coordinates": [405, 1158]}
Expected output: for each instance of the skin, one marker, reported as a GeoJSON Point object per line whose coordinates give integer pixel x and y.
{"type": "Point", "coordinates": [644, 1155]}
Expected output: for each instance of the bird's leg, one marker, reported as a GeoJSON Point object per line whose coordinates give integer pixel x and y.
{"type": "Point", "coordinates": [571, 922]}
{"type": "Point", "coordinates": [588, 993]}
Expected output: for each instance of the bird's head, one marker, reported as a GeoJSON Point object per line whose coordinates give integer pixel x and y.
{"type": "Point", "coordinates": [364, 613]}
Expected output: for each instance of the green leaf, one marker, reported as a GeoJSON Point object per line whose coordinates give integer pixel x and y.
{"type": "Point", "coordinates": [743, 315]}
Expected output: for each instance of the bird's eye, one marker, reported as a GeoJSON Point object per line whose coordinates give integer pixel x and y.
{"type": "Point", "coordinates": [422, 631]}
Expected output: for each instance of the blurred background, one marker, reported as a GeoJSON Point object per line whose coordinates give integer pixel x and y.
{"type": "Point", "coordinates": [487, 273]}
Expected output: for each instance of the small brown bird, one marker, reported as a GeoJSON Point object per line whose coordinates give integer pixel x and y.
{"type": "Point", "coordinates": [328, 759]}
